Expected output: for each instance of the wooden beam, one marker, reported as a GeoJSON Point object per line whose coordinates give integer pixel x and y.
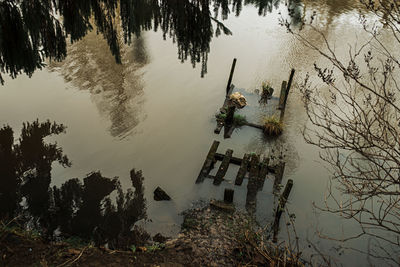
{"type": "Point", "coordinates": [234, 160]}
{"type": "Point", "coordinates": [224, 108]}
{"type": "Point", "coordinates": [228, 130]}
{"type": "Point", "coordinates": [228, 195]}
{"type": "Point", "coordinates": [208, 163]}
{"type": "Point", "coordinates": [218, 129]}
{"type": "Point", "coordinates": [242, 170]}
{"type": "Point", "coordinates": [263, 173]}
{"type": "Point", "coordinates": [251, 196]}
{"type": "Point", "coordinates": [283, 95]}
{"type": "Point", "coordinates": [223, 167]}
{"type": "Point", "coordinates": [231, 76]}
{"type": "Point", "coordinates": [289, 86]}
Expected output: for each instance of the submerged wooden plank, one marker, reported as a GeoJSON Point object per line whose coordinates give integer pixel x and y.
{"type": "Point", "coordinates": [252, 187]}
{"type": "Point", "coordinates": [228, 195]}
{"type": "Point", "coordinates": [223, 167]}
{"type": "Point", "coordinates": [228, 131]}
{"type": "Point", "coordinates": [242, 170]}
{"type": "Point", "coordinates": [254, 169]}
{"type": "Point", "coordinates": [234, 160]}
{"type": "Point", "coordinates": [208, 163]}
{"type": "Point", "coordinates": [263, 173]}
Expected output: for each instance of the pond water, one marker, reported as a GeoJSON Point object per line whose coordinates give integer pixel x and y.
{"type": "Point", "coordinates": [156, 113]}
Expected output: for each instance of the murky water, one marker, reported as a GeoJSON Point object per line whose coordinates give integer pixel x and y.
{"type": "Point", "coordinates": [156, 114]}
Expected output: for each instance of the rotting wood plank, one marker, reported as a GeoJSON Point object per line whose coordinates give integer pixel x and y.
{"type": "Point", "coordinates": [234, 160]}
{"type": "Point", "coordinates": [220, 125]}
{"type": "Point", "coordinates": [223, 167]}
{"type": "Point", "coordinates": [238, 161]}
{"type": "Point", "coordinates": [242, 170]}
{"type": "Point", "coordinates": [228, 132]}
{"type": "Point", "coordinates": [251, 196]}
{"type": "Point", "coordinates": [231, 76]}
{"type": "Point", "coordinates": [280, 208]}
{"type": "Point", "coordinates": [208, 163]}
{"type": "Point", "coordinates": [283, 95]}
{"type": "Point", "coordinates": [263, 173]}
{"type": "Point", "coordinates": [226, 102]}
{"type": "Point", "coordinates": [289, 85]}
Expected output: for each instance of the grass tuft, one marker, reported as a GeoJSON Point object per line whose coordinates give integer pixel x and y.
{"type": "Point", "coordinates": [272, 126]}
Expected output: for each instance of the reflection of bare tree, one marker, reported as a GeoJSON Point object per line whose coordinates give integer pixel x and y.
{"type": "Point", "coordinates": [357, 126]}
{"type": "Point", "coordinates": [116, 89]}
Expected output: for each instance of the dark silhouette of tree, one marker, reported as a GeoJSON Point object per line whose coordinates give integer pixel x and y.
{"type": "Point", "coordinates": [33, 31]}
{"type": "Point", "coordinates": [76, 209]}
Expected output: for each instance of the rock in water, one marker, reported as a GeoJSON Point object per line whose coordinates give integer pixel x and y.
{"type": "Point", "coordinates": [238, 100]}
{"type": "Point", "coordinates": [160, 194]}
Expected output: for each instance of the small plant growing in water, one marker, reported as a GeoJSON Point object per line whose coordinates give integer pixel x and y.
{"type": "Point", "coordinates": [272, 126]}
{"type": "Point", "coordinates": [238, 120]}
{"type": "Point", "coordinates": [267, 90]}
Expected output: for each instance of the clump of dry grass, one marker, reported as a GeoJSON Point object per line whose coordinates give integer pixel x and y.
{"type": "Point", "coordinates": [255, 249]}
{"type": "Point", "coordinates": [272, 126]}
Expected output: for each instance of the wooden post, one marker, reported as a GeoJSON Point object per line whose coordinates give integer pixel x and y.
{"type": "Point", "coordinates": [288, 87]}
{"type": "Point", "coordinates": [228, 195]}
{"type": "Point", "coordinates": [229, 115]}
{"type": "Point", "coordinates": [280, 208]}
{"type": "Point", "coordinates": [263, 173]}
{"type": "Point", "coordinates": [242, 170]}
{"type": "Point", "coordinates": [231, 75]}
{"type": "Point", "coordinates": [252, 189]}
{"type": "Point", "coordinates": [208, 163]}
{"type": "Point", "coordinates": [283, 93]}
{"type": "Point", "coordinates": [223, 167]}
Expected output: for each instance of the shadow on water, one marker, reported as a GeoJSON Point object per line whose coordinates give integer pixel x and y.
{"type": "Point", "coordinates": [84, 209]}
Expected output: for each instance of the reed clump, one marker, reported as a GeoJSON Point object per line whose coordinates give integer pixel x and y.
{"type": "Point", "coordinates": [272, 126]}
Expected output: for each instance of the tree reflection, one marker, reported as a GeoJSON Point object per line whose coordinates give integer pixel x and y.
{"type": "Point", "coordinates": [33, 31]}
{"type": "Point", "coordinates": [75, 209]}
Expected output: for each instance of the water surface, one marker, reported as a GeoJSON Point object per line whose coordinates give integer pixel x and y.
{"type": "Point", "coordinates": [155, 112]}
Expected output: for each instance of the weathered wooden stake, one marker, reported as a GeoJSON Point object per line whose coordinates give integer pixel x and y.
{"type": "Point", "coordinates": [228, 195]}
{"type": "Point", "coordinates": [263, 173]}
{"type": "Point", "coordinates": [283, 93]}
{"type": "Point", "coordinates": [208, 163]}
{"type": "Point", "coordinates": [242, 170]}
{"type": "Point", "coordinates": [223, 167]}
{"type": "Point", "coordinates": [229, 127]}
{"type": "Point", "coordinates": [231, 75]}
{"type": "Point", "coordinates": [229, 115]}
{"type": "Point", "coordinates": [280, 208]}
{"type": "Point", "coordinates": [252, 188]}
{"type": "Point", "coordinates": [289, 85]}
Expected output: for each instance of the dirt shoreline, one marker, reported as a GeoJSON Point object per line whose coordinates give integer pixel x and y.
{"type": "Point", "coordinates": [209, 237]}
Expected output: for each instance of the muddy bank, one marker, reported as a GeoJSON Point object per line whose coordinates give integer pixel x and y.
{"type": "Point", "coordinates": [209, 237]}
